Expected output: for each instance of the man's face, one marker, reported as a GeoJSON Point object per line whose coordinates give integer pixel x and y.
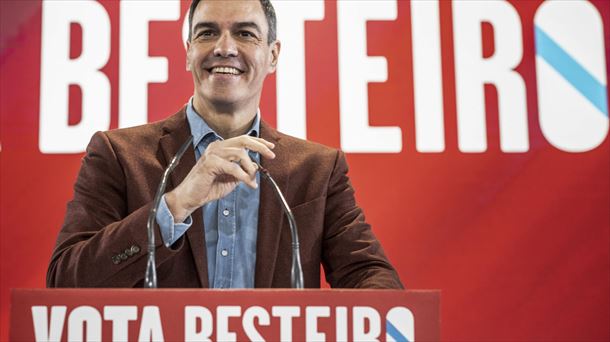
{"type": "Point", "coordinates": [228, 54]}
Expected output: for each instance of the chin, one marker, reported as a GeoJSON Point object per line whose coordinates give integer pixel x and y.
{"type": "Point", "coordinates": [224, 104]}
{"type": "Point", "coordinates": [221, 96]}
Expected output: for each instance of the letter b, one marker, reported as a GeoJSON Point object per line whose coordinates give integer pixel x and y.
{"type": "Point", "coordinates": [58, 71]}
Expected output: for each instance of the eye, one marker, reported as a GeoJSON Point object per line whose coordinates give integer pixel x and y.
{"type": "Point", "coordinates": [205, 34]}
{"type": "Point", "coordinates": [246, 34]}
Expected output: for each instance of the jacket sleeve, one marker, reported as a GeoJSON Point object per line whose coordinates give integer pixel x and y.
{"type": "Point", "coordinates": [352, 255]}
{"type": "Point", "coordinates": [101, 244]}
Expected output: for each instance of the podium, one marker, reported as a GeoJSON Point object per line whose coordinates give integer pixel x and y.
{"type": "Point", "coordinates": [223, 315]}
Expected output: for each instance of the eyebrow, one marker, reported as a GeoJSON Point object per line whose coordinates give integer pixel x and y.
{"type": "Point", "coordinates": [204, 24]}
{"type": "Point", "coordinates": [213, 25]}
{"type": "Point", "coordinates": [249, 24]}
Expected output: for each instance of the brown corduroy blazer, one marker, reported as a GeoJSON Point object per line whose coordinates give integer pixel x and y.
{"type": "Point", "coordinates": [116, 185]}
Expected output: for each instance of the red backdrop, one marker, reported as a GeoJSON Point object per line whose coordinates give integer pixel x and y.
{"type": "Point", "coordinates": [518, 242]}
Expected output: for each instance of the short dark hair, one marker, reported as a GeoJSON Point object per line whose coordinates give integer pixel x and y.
{"type": "Point", "coordinates": [267, 9]}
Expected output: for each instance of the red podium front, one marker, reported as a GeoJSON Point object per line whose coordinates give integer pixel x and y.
{"type": "Point", "coordinates": [204, 315]}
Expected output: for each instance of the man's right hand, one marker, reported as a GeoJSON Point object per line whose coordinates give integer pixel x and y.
{"type": "Point", "coordinates": [219, 170]}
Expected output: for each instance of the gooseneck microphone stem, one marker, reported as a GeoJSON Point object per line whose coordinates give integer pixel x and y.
{"type": "Point", "coordinates": [150, 279]}
{"type": "Point", "coordinates": [296, 270]}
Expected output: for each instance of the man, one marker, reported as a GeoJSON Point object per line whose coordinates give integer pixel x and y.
{"type": "Point", "coordinates": [219, 226]}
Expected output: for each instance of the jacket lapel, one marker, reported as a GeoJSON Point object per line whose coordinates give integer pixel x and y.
{"type": "Point", "coordinates": [176, 132]}
{"type": "Point", "coordinates": [270, 216]}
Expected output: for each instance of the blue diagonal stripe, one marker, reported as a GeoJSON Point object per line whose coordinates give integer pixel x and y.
{"type": "Point", "coordinates": [571, 70]}
{"type": "Point", "coordinates": [396, 335]}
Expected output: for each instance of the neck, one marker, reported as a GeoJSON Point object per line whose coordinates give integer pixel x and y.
{"type": "Point", "coordinates": [225, 119]}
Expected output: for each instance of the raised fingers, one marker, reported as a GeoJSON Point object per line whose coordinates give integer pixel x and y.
{"type": "Point", "coordinates": [239, 156]}
{"type": "Point", "coordinates": [223, 166]}
{"type": "Point", "coordinates": [234, 154]}
{"type": "Point", "coordinates": [259, 145]}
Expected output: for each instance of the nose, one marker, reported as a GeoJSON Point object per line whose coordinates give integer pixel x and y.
{"type": "Point", "coordinates": [225, 46]}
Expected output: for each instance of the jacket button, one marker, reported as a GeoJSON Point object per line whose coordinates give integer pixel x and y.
{"type": "Point", "coordinates": [116, 260]}
{"type": "Point", "coordinates": [135, 249]}
{"type": "Point", "coordinates": [123, 256]}
{"type": "Point", "coordinates": [128, 252]}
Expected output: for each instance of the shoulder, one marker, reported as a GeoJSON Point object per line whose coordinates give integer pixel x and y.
{"type": "Point", "coordinates": [306, 148]}
{"type": "Point", "coordinates": [310, 166]}
{"type": "Point", "coordinates": [302, 152]}
{"type": "Point", "coordinates": [139, 139]}
{"type": "Point", "coordinates": [150, 132]}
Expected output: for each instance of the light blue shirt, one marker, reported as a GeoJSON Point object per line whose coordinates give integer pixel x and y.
{"type": "Point", "coordinates": [230, 223]}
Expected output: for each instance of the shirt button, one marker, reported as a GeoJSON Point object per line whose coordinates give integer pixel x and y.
{"type": "Point", "coordinates": [135, 249]}
{"type": "Point", "coordinates": [116, 259]}
{"type": "Point", "coordinates": [226, 212]}
{"type": "Point", "coordinates": [224, 252]}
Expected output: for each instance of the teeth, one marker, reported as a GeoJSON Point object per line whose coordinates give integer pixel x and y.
{"type": "Point", "coordinates": [225, 70]}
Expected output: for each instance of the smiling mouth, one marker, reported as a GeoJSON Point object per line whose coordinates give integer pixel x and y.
{"type": "Point", "coordinates": [225, 71]}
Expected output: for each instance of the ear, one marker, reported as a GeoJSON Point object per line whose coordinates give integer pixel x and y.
{"type": "Point", "coordinates": [275, 54]}
{"type": "Point", "coordinates": [188, 56]}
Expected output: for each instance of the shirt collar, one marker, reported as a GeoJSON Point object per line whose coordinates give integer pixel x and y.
{"type": "Point", "coordinates": [200, 129]}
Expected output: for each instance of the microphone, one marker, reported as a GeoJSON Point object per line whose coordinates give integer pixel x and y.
{"type": "Point", "coordinates": [150, 279]}
{"type": "Point", "coordinates": [296, 269]}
